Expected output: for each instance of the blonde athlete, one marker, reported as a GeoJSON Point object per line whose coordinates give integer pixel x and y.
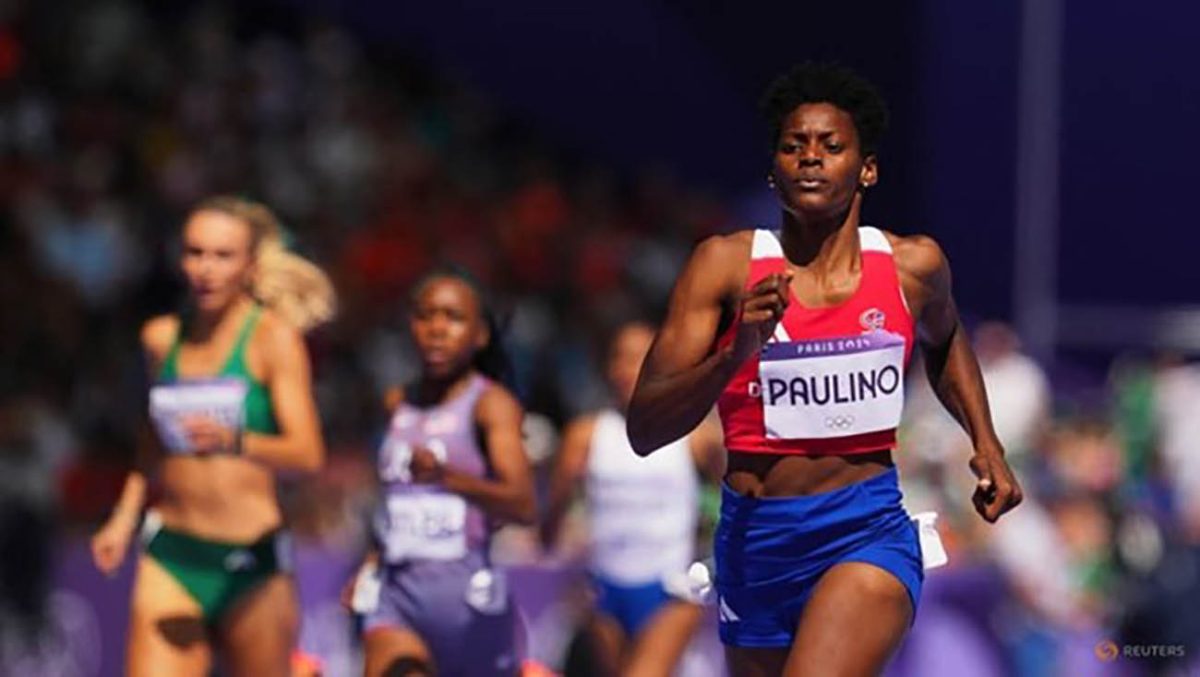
{"type": "Point", "coordinates": [232, 406]}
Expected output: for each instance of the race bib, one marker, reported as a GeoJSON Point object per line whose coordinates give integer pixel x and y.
{"type": "Point", "coordinates": [833, 387]}
{"type": "Point", "coordinates": [424, 526]}
{"type": "Point", "coordinates": [220, 399]}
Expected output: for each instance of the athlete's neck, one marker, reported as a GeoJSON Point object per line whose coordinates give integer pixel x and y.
{"type": "Point", "coordinates": [825, 242]}
{"type": "Point", "coordinates": [202, 326]}
{"type": "Point", "coordinates": [431, 391]}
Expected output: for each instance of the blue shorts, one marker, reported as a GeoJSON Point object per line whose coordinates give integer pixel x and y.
{"type": "Point", "coordinates": [629, 605]}
{"type": "Point", "coordinates": [770, 553]}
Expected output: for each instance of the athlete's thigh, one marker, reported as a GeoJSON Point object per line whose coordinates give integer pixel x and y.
{"type": "Point", "coordinates": [397, 652]}
{"type": "Point", "coordinates": [662, 641]}
{"type": "Point", "coordinates": [608, 643]}
{"type": "Point", "coordinates": [854, 621]}
{"type": "Point", "coordinates": [755, 662]}
{"type": "Point", "coordinates": [259, 630]}
{"type": "Point", "coordinates": [167, 635]}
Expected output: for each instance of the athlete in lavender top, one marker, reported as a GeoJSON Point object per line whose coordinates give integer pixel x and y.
{"type": "Point", "coordinates": [451, 527]}
{"type": "Point", "coordinates": [450, 466]}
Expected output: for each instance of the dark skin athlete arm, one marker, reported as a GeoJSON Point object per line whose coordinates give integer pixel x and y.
{"type": "Point", "coordinates": [684, 375]}
{"type": "Point", "coordinates": [953, 371]}
{"type": "Point", "coordinates": [569, 469]}
{"type": "Point", "coordinates": [509, 494]}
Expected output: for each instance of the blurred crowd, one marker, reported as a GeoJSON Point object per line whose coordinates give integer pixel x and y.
{"type": "Point", "coordinates": [1105, 547]}
{"type": "Point", "coordinates": [116, 116]}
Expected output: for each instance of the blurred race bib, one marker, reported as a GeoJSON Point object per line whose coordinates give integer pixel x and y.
{"type": "Point", "coordinates": [171, 404]}
{"type": "Point", "coordinates": [424, 526]}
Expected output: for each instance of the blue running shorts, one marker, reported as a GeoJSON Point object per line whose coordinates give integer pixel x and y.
{"type": "Point", "coordinates": [770, 553]}
{"type": "Point", "coordinates": [629, 605]}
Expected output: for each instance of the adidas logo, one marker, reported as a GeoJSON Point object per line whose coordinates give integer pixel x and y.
{"type": "Point", "coordinates": [240, 560]}
{"type": "Point", "coordinates": [724, 613]}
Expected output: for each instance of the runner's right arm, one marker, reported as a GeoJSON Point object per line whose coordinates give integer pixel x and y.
{"type": "Point", "coordinates": [569, 468]}
{"type": "Point", "coordinates": [111, 543]}
{"type": "Point", "coordinates": [685, 371]}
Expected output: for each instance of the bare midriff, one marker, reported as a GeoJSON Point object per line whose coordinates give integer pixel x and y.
{"type": "Point", "coordinates": [781, 475]}
{"type": "Point", "coordinates": [221, 498]}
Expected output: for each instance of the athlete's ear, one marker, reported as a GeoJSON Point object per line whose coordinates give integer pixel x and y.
{"type": "Point", "coordinates": [250, 277]}
{"type": "Point", "coordinates": [869, 174]}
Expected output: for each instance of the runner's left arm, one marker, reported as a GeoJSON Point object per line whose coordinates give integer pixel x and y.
{"type": "Point", "coordinates": [299, 444]}
{"type": "Point", "coordinates": [954, 373]}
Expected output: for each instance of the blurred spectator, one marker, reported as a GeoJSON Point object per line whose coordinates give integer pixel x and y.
{"type": "Point", "coordinates": [1017, 389]}
{"type": "Point", "coordinates": [1177, 410]}
{"type": "Point", "coordinates": [32, 443]}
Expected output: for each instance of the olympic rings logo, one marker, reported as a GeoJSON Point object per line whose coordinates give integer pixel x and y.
{"type": "Point", "coordinates": [839, 422]}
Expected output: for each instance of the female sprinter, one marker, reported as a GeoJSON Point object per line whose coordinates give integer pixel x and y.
{"type": "Point", "coordinates": [642, 516]}
{"type": "Point", "coordinates": [234, 404]}
{"type": "Point", "coordinates": [451, 467]}
{"type": "Point", "coordinates": [801, 335]}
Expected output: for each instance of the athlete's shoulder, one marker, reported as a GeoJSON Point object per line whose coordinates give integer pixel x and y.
{"type": "Point", "coordinates": [497, 403]}
{"type": "Point", "coordinates": [393, 397]}
{"type": "Point", "coordinates": [917, 255]}
{"type": "Point", "coordinates": [720, 263]}
{"type": "Point", "coordinates": [724, 247]}
{"type": "Point", "coordinates": [279, 341]}
{"type": "Point", "coordinates": [272, 329]}
{"type": "Point", "coordinates": [158, 333]}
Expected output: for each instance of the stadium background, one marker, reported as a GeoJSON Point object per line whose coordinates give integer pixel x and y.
{"type": "Point", "coordinates": [571, 156]}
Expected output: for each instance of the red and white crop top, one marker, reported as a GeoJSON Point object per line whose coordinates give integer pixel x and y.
{"type": "Point", "coordinates": [831, 380]}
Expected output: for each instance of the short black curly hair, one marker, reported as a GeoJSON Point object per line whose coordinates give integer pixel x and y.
{"type": "Point", "coordinates": [811, 82]}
